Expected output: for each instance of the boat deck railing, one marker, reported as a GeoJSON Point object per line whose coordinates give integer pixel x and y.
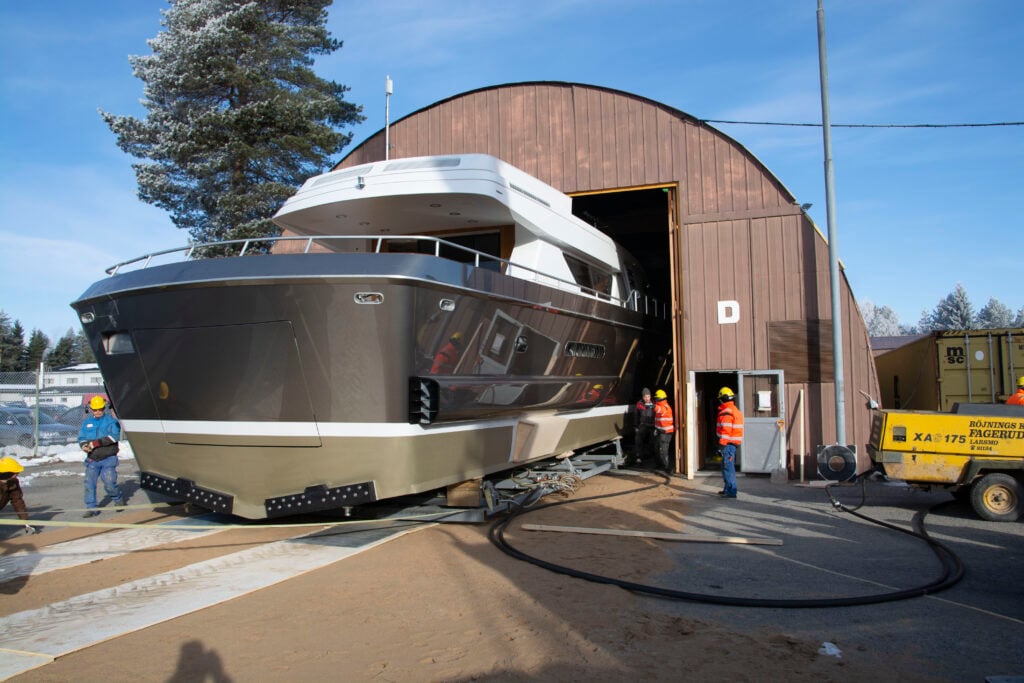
{"type": "Point", "coordinates": [260, 246]}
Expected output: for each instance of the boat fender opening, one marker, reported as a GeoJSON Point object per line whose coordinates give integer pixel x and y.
{"type": "Point", "coordinates": [423, 400]}
{"type": "Point", "coordinates": [188, 491]}
{"type": "Point", "coordinates": [320, 497]}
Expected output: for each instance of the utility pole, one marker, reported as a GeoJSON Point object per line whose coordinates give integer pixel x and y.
{"type": "Point", "coordinates": [833, 246]}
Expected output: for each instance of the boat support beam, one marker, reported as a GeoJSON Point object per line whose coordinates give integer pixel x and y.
{"type": "Point", "coordinates": [562, 474]}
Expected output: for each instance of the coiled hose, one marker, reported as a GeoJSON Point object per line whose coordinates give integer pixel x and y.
{"type": "Point", "coordinates": [952, 566]}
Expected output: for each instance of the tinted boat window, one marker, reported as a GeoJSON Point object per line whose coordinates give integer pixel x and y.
{"type": "Point", "coordinates": [589, 277]}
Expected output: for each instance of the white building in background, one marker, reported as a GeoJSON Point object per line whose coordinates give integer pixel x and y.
{"type": "Point", "coordinates": [84, 374]}
{"type": "Point", "coordinates": [70, 386]}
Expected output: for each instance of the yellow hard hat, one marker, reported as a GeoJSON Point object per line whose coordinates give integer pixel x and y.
{"type": "Point", "coordinates": [599, 386]}
{"type": "Point", "coordinates": [1020, 381]}
{"type": "Point", "coordinates": [97, 403]}
{"type": "Point", "coordinates": [725, 392]}
{"type": "Point", "coordinates": [9, 464]}
{"type": "Point", "coordinates": [660, 393]}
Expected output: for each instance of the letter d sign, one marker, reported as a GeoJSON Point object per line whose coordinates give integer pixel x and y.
{"type": "Point", "coordinates": [728, 312]}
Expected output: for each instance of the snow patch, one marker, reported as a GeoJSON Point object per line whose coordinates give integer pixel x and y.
{"type": "Point", "coordinates": [48, 455]}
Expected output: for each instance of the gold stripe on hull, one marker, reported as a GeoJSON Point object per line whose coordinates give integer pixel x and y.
{"type": "Point", "coordinates": [397, 465]}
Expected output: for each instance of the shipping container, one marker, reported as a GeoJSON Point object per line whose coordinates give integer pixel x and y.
{"type": "Point", "coordinates": [943, 368]}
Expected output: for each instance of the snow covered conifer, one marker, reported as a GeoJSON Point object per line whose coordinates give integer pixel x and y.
{"type": "Point", "coordinates": [995, 315]}
{"type": "Point", "coordinates": [955, 312]}
{"type": "Point", "coordinates": [236, 116]}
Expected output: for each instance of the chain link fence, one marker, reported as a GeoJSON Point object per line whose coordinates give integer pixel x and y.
{"type": "Point", "coordinates": [42, 408]}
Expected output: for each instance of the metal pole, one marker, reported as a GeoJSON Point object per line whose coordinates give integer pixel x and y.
{"type": "Point", "coordinates": [1009, 350]}
{"type": "Point", "coordinates": [35, 423]}
{"type": "Point", "coordinates": [833, 247]}
{"type": "Point", "coordinates": [967, 357]}
{"type": "Point", "coordinates": [803, 455]}
{"type": "Point", "coordinates": [991, 372]}
{"type": "Point", "coordinates": [388, 87]}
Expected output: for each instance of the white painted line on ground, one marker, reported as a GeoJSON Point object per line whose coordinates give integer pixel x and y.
{"type": "Point", "coordinates": [85, 620]}
{"type": "Point", "coordinates": [13, 662]}
{"type": "Point", "coordinates": [86, 550]}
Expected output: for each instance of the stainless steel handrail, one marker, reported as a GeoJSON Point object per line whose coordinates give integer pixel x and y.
{"type": "Point", "coordinates": [650, 306]}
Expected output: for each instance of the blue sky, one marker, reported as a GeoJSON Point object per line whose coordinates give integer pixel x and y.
{"type": "Point", "coordinates": [917, 211]}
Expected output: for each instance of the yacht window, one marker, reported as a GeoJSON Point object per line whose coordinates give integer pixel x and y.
{"type": "Point", "coordinates": [487, 242]}
{"type": "Point", "coordinates": [588, 277]}
{"type": "Point", "coordinates": [115, 343]}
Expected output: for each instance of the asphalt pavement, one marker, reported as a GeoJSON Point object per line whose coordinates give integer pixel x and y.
{"type": "Point", "coordinates": [55, 492]}
{"type": "Point", "coordinates": [970, 631]}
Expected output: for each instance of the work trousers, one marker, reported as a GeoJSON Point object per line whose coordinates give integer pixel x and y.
{"type": "Point", "coordinates": [664, 442]}
{"type": "Point", "coordinates": [643, 440]}
{"type": "Point", "coordinates": [105, 470]}
{"type": "Point", "coordinates": [729, 469]}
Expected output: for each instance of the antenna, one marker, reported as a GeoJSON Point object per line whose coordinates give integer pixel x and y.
{"type": "Point", "coordinates": [388, 88]}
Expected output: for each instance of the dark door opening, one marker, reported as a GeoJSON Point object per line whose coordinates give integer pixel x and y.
{"type": "Point", "coordinates": [638, 220]}
{"type": "Point", "coordinates": [706, 388]}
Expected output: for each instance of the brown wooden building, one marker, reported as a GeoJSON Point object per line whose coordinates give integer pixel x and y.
{"type": "Point", "coordinates": [744, 268]}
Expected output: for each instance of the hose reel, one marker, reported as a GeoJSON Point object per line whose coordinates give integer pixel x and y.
{"type": "Point", "coordinates": [837, 463]}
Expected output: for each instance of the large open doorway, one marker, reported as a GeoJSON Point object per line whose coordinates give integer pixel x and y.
{"type": "Point", "coordinates": [640, 220]}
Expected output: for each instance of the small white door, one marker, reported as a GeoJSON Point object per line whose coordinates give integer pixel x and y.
{"type": "Point", "coordinates": [764, 421]}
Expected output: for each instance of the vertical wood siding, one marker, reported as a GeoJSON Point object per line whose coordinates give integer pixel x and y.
{"type": "Point", "coordinates": [742, 235]}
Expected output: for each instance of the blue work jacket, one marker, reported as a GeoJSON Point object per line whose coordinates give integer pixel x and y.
{"type": "Point", "coordinates": [96, 428]}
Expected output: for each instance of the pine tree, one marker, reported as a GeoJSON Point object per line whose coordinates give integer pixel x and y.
{"type": "Point", "coordinates": [881, 322]}
{"type": "Point", "coordinates": [237, 118]}
{"type": "Point", "coordinates": [82, 351]}
{"type": "Point", "coordinates": [12, 347]}
{"type": "Point", "coordinates": [955, 312]}
{"type": "Point", "coordinates": [928, 322]}
{"type": "Point", "coordinates": [36, 349]}
{"type": "Point", "coordinates": [994, 315]}
{"type": "Point", "coordinates": [62, 354]}
{"type": "Point", "coordinates": [5, 332]}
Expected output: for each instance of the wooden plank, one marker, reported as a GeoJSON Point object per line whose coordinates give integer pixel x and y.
{"type": "Point", "coordinates": [661, 535]}
{"type": "Point", "coordinates": [465, 494]}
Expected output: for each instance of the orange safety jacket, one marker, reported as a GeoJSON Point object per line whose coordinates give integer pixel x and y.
{"type": "Point", "coordinates": [730, 425]}
{"type": "Point", "coordinates": [663, 421]}
{"type": "Point", "coordinates": [1017, 399]}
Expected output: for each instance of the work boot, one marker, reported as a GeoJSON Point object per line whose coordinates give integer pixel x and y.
{"type": "Point", "coordinates": [90, 513]}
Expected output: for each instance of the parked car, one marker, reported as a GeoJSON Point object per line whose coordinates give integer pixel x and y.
{"type": "Point", "coordinates": [51, 409]}
{"type": "Point", "coordinates": [17, 427]}
{"type": "Point", "coordinates": [74, 416]}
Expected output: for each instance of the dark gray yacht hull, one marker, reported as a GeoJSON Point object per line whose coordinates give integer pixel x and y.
{"type": "Point", "coordinates": [273, 384]}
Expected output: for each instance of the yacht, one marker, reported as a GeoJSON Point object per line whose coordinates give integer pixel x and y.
{"type": "Point", "coordinates": [418, 323]}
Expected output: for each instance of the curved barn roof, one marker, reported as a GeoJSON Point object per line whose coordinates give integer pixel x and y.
{"type": "Point", "coordinates": [678, 113]}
